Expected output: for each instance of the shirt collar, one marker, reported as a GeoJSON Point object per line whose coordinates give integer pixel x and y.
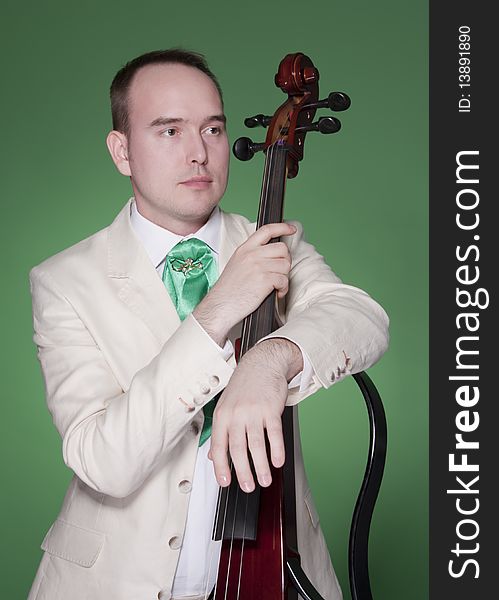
{"type": "Point", "coordinates": [158, 241]}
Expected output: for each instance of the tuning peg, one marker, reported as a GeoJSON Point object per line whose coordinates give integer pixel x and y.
{"type": "Point", "coordinates": [323, 125]}
{"type": "Point", "coordinates": [336, 101]}
{"type": "Point", "coordinates": [244, 148]}
{"type": "Point", "coordinates": [258, 121]}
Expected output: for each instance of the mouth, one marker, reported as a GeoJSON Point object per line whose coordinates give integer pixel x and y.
{"type": "Point", "coordinates": [199, 182]}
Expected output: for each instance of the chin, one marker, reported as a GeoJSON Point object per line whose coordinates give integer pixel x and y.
{"type": "Point", "coordinates": [198, 207]}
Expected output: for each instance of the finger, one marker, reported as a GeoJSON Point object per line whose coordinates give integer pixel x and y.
{"type": "Point", "coordinates": [256, 445]}
{"type": "Point", "coordinates": [272, 230]}
{"type": "Point", "coordinates": [281, 284]}
{"type": "Point", "coordinates": [218, 451]}
{"type": "Point", "coordinates": [271, 264]}
{"type": "Point", "coordinates": [238, 449]}
{"type": "Point", "coordinates": [276, 440]}
{"type": "Point", "coordinates": [274, 250]}
{"type": "Point", "coordinates": [279, 265]}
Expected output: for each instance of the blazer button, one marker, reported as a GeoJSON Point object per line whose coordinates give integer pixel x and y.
{"type": "Point", "coordinates": [198, 401]}
{"type": "Point", "coordinates": [175, 542]}
{"type": "Point", "coordinates": [185, 486]}
{"type": "Point", "coordinates": [204, 389]}
{"type": "Point", "coordinates": [214, 381]}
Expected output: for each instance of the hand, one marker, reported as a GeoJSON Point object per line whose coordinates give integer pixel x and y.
{"type": "Point", "coordinates": [252, 404]}
{"type": "Point", "coordinates": [255, 269]}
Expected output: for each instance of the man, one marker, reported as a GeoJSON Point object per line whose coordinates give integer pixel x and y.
{"type": "Point", "coordinates": [129, 366]}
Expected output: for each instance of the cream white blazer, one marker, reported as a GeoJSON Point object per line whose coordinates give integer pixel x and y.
{"type": "Point", "coordinates": [119, 367]}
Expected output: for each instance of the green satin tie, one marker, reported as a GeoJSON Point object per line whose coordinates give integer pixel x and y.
{"type": "Point", "coordinates": [189, 273]}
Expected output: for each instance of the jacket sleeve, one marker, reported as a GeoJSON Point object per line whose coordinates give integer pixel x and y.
{"type": "Point", "coordinates": [340, 327]}
{"type": "Point", "coordinates": [113, 439]}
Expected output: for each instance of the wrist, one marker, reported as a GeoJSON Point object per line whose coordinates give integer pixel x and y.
{"type": "Point", "coordinates": [281, 354]}
{"type": "Point", "coordinates": [208, 313]}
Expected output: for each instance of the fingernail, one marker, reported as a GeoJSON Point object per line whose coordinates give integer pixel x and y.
{"type": "Point", "coordinates": [247, 487]}
{"type": "Point", "coordinates": [266, 480]}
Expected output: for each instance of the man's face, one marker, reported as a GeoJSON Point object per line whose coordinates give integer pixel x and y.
{"type": "Point", "coordinates": [178, 152]}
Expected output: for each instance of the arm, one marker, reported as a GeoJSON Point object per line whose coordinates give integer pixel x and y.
{"type": "Point", "coordinates": [342, 331]}
{"type": "Point", "coordinates": [340, 327]}
{"type": "Point", "coordinates": [114, 438]}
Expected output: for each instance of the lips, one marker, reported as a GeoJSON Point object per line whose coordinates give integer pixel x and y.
{"type": "Point", "coordinates": [199, 182]}
{"type": "Point", "coordinates": [198, 179]}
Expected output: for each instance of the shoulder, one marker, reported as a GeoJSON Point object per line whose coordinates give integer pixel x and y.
{"type": "Point", "coordinates": [87, 260]}
{"type": "Point", "coordinates": [91, 250]}
{"type": "Point", "coordinates": [92, 255]}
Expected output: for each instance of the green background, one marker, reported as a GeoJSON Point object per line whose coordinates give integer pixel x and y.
{"type": "Point", "coordinates": [361, 194]}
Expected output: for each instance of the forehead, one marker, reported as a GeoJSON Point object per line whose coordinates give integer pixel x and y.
{"type": "Point", "coordinates": [172, 90]}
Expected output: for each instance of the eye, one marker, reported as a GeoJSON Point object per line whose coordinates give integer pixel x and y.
{"type": "Point", "coordinates": [170, 132]}
{"type": "Point", "coordinates": [214, 130]}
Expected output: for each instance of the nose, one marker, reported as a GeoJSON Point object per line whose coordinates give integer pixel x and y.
{"type": "Point", "coordinates": [196, 150]}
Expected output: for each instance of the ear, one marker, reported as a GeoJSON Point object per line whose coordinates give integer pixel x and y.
{"type": "Point", "coordinates": [117, 144]}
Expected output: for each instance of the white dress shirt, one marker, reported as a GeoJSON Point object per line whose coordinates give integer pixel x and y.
{"type": "Point", "coordinates": [198, 561]}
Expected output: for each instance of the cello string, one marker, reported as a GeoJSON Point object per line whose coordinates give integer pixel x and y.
{"type": "Point", "coordinates": [208, 574]}
{"type": "Point", "coordinates": [248, 322]}
{"type": "Point", "coordinates": [264, 213]}
{"type": "Point", "coordinates": [244, 341]}
{"type": "Point", "coordinates": [242, 550]}
{"type": "Point", "coordinates": [265, 196]}
{"type": "Point", "coordinates": [231, 547]}
{"type": "Point", "coordinates": [224, 523]}
{"type": "Point", "coordinates": [277, 172]}
{"type": "Point", "coordinates": [271, 218]}
{"type": "Point", "coordinates": [211, 562]}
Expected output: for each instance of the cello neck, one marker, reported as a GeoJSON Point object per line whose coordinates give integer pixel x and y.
{"type": "Point", "coordinates": [262, 321]}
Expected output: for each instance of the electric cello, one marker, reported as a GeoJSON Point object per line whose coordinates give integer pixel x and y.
{"type": "Point", "coordinates": [259, 557]}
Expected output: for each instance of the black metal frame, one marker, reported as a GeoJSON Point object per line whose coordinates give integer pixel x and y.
{"type": "Point", "coordinates": [358, 563]}
{"type": "Point", "coordinates": [358, 551]}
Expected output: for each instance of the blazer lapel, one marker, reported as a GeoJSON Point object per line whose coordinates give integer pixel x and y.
{"type": "Point", "coordinates": [232, 235]}
{"type": "Point", "coordinates": [137, 281]}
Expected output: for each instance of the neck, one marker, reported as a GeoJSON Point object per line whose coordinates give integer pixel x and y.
{"type": "Point", "coordinates": [180, 226]}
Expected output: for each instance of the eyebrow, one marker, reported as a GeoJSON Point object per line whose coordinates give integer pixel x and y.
{"type": "Point", "coordinates": [162, 121]}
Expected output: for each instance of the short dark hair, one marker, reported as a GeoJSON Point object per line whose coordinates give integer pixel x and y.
{"type": "Point", "coordinates": [123, 79]}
